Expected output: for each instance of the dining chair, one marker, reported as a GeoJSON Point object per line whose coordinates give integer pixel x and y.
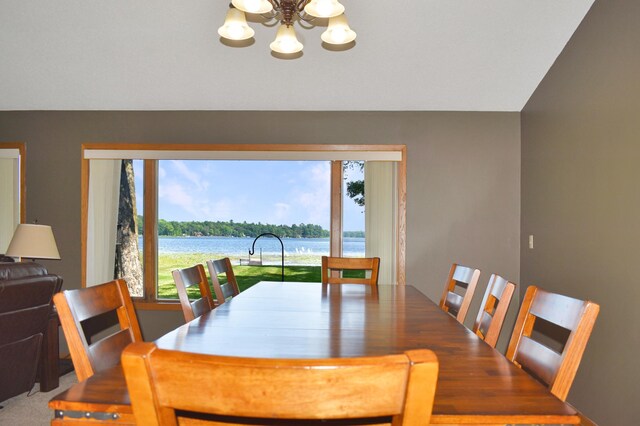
{"type": "Point", "coordinates": [461, 278]}
{"type": "Point", "coordinates": [189, 277]}
{"type": "Point", "coordinates": [225, 290]}
{"type": "Point", "coordinates": [493, 309]}
{"type": "Point", "coordinates": [161, 387]}
{"type": "Point", "coordinates": [80, 308]}
{"type": "Point", "coordinates": [530, 349]}
{"type": "Point", "coordinates": [370, 265]}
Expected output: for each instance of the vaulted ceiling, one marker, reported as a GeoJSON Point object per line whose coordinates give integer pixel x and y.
{"type": "Point", "coordinates": [412, 55]}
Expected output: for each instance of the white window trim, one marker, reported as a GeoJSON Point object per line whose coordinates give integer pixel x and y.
{"type": "Point", "coordinates": [137, 154]}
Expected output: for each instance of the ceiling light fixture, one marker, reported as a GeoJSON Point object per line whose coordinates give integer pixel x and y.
{"type": "Point", "coordinates": [286, 12]}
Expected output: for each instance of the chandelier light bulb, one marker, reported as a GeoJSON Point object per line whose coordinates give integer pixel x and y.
{"type": "Point", "coordinates": [286, 41]}
{"type": "Point", "coordinates": [235, 26]}
{"type": "Point", "coordinates": [324, 8]}
{"type": "Point", "coordinates": [253, 6]}
{"type": "Point", "coordinates": [338, 31]}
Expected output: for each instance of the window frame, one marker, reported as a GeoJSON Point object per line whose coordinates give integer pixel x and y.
{"type": "Point", "coordinates": [323, 151]}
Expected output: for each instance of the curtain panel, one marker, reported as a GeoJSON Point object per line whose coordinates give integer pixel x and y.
{"type": "Point", "coordinates": [381, 205]}
{"type": "Point", "coordinates": [102, 220]}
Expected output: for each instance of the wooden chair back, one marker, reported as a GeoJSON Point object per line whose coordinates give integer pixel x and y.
{"type": "Point", "coordinates": [493, 309]}
{"type": "Point", "coordinates": [75, 307]}
{"type": "Point", "coordinates": [554, 367]}
{"type": "Point", "coordinates": [225, 290]}
{"type": "Point", "coordinates": [466, 279]}
{"type": "Point", "coordinates": [189, 277]}
{"type": "Point", "coordinates": [370, 265]}
{"type": "Point", "coordinates": [161, 386]}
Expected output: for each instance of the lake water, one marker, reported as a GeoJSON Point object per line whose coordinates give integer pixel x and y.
{"type": "Point", "coordinates": [239, 247]}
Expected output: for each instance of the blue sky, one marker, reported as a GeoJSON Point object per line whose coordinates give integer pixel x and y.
{"type": "Point", "coordinates": [275, 192]}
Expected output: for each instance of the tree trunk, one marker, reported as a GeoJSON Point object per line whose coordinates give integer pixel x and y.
{"type": "Point", "coordinates": [128, 264]}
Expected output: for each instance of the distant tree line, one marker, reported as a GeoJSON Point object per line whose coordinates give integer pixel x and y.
{"type": "Point", "coordinates": [353, 234]}
{"type": "Point", "coordinates": [233, 229]}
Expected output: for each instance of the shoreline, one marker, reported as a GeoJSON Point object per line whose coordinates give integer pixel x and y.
{"type": "Point", "coordinates": [184, 258]}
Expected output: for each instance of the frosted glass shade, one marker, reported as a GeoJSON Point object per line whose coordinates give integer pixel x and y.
{"type": "Point", "coordinates": [33, 242]}
{"type": "Point", "coordinates": [324, 8]}
{"type": "Point", "coordinates": [253, 6]}
{"type": "Point", "coordinates": [286, 41]}
{"type": "Point", "coordinates": [338, 31]}
{"type": "Point", "coordinates": [235, 26]}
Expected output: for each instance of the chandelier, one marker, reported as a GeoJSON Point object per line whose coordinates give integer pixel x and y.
{"type": "Point", "coordinates": [286, 11]}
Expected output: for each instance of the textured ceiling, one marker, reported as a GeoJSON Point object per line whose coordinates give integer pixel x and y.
{"type": "Point", "coordinates": [423, 55]}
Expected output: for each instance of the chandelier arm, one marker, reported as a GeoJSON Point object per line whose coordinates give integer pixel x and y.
{"type": "Point", "coordinates": [301, 4]}
{"type": "Point", "coordinates": [306, 24]}
{"type": "Point", "coordinates": [305, 17]}
{"type": "Point", "coordinates": [269, 16]}
{"type": "Point", "coordinates": [271, 23]}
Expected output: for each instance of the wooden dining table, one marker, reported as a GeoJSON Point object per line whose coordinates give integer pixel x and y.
{"type": "Point", "coordinates": [476, 383]}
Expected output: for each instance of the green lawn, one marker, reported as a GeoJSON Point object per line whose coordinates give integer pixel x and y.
{"type": "Point", "coordinates": [245, 275]}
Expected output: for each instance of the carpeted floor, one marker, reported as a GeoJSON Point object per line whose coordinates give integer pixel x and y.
{"type": "Point", "coordinates": [27, 410]}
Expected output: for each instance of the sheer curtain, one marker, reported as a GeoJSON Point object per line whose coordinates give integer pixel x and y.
{"type": "Point", "coordinates": [9, 195]}
{"type": "Point", "coordinates": [102, 220]}
{"type": "Point", "coordinates": [380, 183]}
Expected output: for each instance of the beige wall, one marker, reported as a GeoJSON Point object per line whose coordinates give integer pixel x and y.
{"type": "Point", "coordinates": [463, 177]}
{"type": "Point", "coordinates": [580, 198]}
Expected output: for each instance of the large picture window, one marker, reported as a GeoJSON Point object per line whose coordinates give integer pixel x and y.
{"type": "Point", "coordinates": [163, 207]}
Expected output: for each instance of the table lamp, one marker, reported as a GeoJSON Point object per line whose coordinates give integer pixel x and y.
{"type": "Point", "coordinates": [33, 241]}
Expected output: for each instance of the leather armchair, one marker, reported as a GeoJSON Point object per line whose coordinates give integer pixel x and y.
{"type": "Point", "coordinates": [28, 328]}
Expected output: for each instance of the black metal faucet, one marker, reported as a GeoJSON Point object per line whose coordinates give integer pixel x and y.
{"type": "Point", "coordinates": [253, 247]}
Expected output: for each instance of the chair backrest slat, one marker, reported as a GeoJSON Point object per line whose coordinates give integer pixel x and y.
{"type": "Point", "coordinates": [106, 352]}
{"type": "Point", "coordinates": [454, 303]}
{"type": "Point", "coordinates": [537, 359]}
{"type": "Point", "coordinates": [189, 277]}
{"type": "Point", "coordinates": [100, 300]}
{"type": "Point", "coordinates": [493, 309]}
{"type": "Point", "coordinates": [333, 268]}
{"type": "Point", "coordinates": [556, 369]}
{"type": "Point", "coordinates": [77, 306]}
{"type": "Point", "coordinates": [223, 291]}
{"type": "Point", "coordinates": [482, 326]}
{"type": "Point", "coordinates": [199, 307]}
{"type": "Point", "coordinates": [161, 382]}
{"type": "Point", "coordinates": [463, 274]}
{"type": "Point", "coordinates": [557, 309]}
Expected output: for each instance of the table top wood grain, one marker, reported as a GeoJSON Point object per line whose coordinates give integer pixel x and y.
{"type": "Point", "coordinates": [476, 384]}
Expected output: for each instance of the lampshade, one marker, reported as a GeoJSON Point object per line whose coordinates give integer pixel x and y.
{"type": "Point", "coordinates": [286, 41]}
{"type": "Point", "coordinates": [324, 8]}
{"type": "Point", "coordinates": [253, 6]}
{"type": "Point", "coordinates": [338, 31]}
{"type": "Point", "coordinates": [235, 26]}
{"type": "Point", "coordinates": [34, 242]}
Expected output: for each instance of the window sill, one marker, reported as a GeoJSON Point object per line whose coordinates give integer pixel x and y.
{"type": "Point", "coordinates": [164, 305]}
